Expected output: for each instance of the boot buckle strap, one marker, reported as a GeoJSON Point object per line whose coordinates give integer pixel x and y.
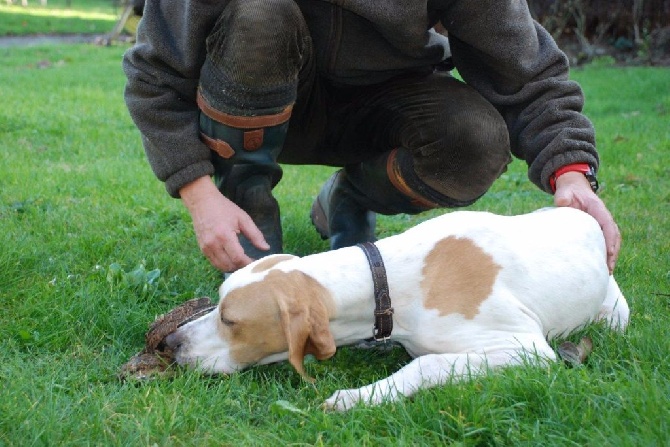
{"type": "Point", "coordinates": [252, 140]}
{"type": "Point", "coordinates": [219, 146]}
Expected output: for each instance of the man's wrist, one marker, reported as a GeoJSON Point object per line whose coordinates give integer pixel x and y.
{"type": "Point", "coordinates": [586, 169]}
{"type": "Point", "coordinates": [194, 191]}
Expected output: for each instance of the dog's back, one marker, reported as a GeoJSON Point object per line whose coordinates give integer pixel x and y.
{"type": "Point", "coordinates": [546, 268]}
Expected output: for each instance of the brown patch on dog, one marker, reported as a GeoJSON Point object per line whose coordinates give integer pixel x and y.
{"type": "Point", "coordinates": [286, 311]}
{"type": "Point", "coordinates": [457, 277]}
{"type": "Point", "coordinates": [267, 263]}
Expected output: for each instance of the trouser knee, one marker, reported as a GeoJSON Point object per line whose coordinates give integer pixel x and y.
{"type": "Point", "coordinates": [254, 54]}
{"type": "Point", "coordinates": [471, 151]}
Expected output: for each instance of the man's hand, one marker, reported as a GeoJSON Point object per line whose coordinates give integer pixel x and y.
{"type": "Point", "coordinates": [217, 221]}
{"type": "Point", "coordinates": [574, 190]}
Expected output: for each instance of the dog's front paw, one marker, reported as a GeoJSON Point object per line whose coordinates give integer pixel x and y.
{"type": "Point", "coordinates": [343, 400]}
{"type": "Point", "coordinates": [375, 394]}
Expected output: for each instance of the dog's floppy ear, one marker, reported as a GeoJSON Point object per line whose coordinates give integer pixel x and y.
{"type": "Point", "coordinates": [304, 319]}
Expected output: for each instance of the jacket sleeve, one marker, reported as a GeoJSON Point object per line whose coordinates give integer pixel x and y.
{"type": "Point", "coordinates": [516, 65]}
{"type": "Point", "coordinates": [162, 71]}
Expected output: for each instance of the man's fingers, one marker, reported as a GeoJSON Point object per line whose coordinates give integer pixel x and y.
{"type": "Point", "coordinates": [610, 231]}
{"type": "Point", "coordinates": [590, 203]}
{"type": "Point", "coordinates": [228, 256]}
{"type": "Point", "coordinates": [234, 254]}
{"type": "Point", "coordinates": [251, 231]}
{"type": "Point", "coordinates": [613, 251]}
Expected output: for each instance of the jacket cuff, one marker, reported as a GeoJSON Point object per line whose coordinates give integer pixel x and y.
{"type": "Point", "coordinates": [185, 176]}
{"type": "Point", "coordinates": [561, 160]}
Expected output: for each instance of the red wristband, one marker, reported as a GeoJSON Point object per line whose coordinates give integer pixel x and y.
{"type": "Point", "coordinates": [584, 168]}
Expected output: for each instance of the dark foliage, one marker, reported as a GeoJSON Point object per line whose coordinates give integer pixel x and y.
{"type": "Point", "coordinates": [631, 31]}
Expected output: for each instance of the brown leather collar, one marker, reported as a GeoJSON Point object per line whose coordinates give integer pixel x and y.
{"type": "Point", "coordinates": [383, 310]}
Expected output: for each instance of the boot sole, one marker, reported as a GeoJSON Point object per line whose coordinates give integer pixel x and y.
{"type": "Point", "coordinates": [319, 220]}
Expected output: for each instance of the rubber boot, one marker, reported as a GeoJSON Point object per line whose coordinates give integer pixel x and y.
{"type": "Point", "coordinates": [246, 167]}
{"type": "Point", "coordinates": [344, 211]}
{"type": "Point", "coordinates": [338, 213]}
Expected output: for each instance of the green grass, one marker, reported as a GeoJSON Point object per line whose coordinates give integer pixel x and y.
{"type": "Point", "coordinates": [80, 17]}
{"type": "Point", "coordinates": [93, 249]}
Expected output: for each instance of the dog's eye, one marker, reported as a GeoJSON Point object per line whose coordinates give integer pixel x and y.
{"type": "Point", "coordinates": [226, 321]}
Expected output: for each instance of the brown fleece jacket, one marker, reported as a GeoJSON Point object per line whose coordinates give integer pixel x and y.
{"type": "Point", "coordinates": [496, 47]}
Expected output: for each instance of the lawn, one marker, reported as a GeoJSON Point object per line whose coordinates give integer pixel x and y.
{"type": "Point", "coordinates": [93, 249]}
{"type": "Point", "coordinates": [59, 17]}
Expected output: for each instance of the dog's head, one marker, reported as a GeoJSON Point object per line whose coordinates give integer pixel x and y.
{"type": "Point", "coordinates": [264, 315]}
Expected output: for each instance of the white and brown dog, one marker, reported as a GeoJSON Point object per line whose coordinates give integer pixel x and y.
{"type": "Point", "coordinates": [471, 291]}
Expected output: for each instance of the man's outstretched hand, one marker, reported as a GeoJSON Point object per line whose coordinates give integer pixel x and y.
{"type": "Point", "coordinates": [217, 222]}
